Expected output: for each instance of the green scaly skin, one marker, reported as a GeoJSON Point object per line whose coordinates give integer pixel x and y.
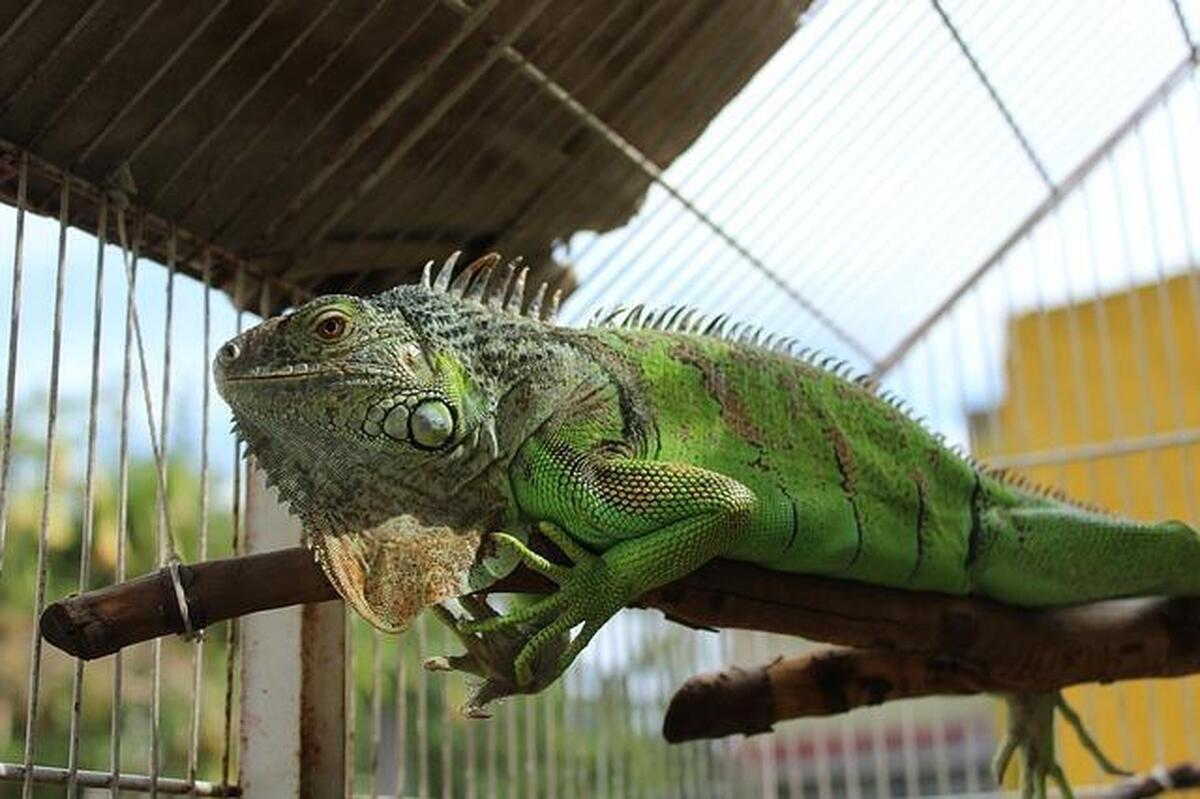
{"type": "Point", "coordinates": [643, 453]}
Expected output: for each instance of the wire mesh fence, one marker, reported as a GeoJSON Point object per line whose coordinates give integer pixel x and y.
{"type": "Point", "coordinates": [970, 200]}
{"type": "Point", "coordinates": [107, 451]}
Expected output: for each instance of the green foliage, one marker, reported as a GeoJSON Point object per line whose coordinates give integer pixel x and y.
{"type": "Point", "coordinates": [64, 540]}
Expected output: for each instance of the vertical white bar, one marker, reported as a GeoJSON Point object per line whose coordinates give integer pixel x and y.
{"type": "Point", "coordinates": [231, 627]}
{"type": "Point", "coordinates": [401, 721]}
{"type": "Point", "coordinates": [39, 601]}
{"type": "Point", "coordinates": [530, 712]}
{"type": "Point", "coordinates": [350, 702]}
{"type": "Point", "coordinates": [470, 767]}
{"type": "Point", "coordinates": [202, 533]}
{"type": "Point", "coordinates": [14, 337]}
{"type": "Point", "coordinates": [130, 251]}
{"type": "Point", "coordinates": [89, 483]}
{"type": "Point", "coordinates": [292, 720]}
{"type": "Point", "coordinates": [271, 669]}
{"type": "Point", "coordinates": [510, 750]}
{"type": "Point", "coordinates": [376, 708]}
{"type": "Point", "coordinates": [163, 543]}
{"type": "Point", "coordinates": [423, 689]}
{"type": "Point", "coordinates": [449, 722]}
{"type": "Point", "coordinates": [323, 764]}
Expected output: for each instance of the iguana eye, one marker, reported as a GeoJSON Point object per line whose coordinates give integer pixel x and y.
{"type": "Point", "coordinates": [431, 424]}
{"type": "Point", "coordinates": [331, 325]}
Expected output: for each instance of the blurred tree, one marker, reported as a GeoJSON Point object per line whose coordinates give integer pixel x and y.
{"type": "Point", "coordinates": [65, 536]}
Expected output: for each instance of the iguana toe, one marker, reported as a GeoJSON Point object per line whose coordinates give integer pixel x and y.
{"type": "Point", "coordinates": [1030, 734]}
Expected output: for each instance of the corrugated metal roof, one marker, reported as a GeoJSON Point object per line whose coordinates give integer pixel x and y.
{"type": "Point", "coordinates": [337, 144]}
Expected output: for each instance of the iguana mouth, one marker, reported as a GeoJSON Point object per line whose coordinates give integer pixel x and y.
{"type": "Point", "coordinates": [299, 371]}
{"type": "Point", "coordinates": [260, 373]}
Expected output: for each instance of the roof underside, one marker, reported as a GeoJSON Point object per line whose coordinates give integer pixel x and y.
{"type": "Point", "coordinates": [336, 145]}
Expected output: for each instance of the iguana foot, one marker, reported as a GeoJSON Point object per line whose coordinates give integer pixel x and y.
{"type": "Point", "coordinates": [589, 594]}
{"type": "Point", "coordinates": [1031, 733]}
{"type": "Point", "coordinates": [491, 658]}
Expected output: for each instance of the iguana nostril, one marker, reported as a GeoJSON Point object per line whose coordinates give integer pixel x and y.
{"type": "Point", "coordinates": [229, 353]}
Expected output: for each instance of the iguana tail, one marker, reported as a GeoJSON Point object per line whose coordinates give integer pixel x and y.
{"type": "Point", "coordinates": [1059, 554]}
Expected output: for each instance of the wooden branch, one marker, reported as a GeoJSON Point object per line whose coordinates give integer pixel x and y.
{"type": "Point", "coordinates": [1162, 780]}
{"type": "Point", "coordinates": [998, 648]}
{"type": "Point", "coordinates": [100, 622]}
{"type": "Point", "coordinates": [834, 680]}
{"type": "Point", "coordinates": [824, 683]}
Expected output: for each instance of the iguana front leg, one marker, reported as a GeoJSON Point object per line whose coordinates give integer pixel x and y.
{"type": "Point", "coordinates": [628, 526]}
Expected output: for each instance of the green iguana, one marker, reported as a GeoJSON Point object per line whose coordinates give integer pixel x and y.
{"type": "Point", "coordinates": [404, 429]}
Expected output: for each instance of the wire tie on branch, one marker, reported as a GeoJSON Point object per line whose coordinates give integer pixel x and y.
{"type": "Point", "coordinates": [189, 633]}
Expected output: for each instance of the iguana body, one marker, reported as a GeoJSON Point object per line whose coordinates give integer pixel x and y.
{"type": "Point", "coordinates": [647, 446]}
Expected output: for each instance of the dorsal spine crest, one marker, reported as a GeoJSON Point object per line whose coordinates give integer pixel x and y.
{"type": "Point", "coordinates": [474, 284]}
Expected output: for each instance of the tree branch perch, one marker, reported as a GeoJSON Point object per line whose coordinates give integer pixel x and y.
{"type": "Point", "coordinates": [922, 642]}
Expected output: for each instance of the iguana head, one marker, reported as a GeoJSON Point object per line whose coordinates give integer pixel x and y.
{"type": "Point", "coordinates": [360, 409]}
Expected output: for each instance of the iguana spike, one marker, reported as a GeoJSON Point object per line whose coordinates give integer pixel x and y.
{"type": "Point", "coordinates": [466, 276]}
{"type": "Point", "coordinates": [517, 298]}
{"type": "Point", "coordinates": [768, 341]}
{"type": "Point", "coordinates": [442, 283]}
{"type": "Point", "coordinates": [555, 303]}
{"type": "Point", "coordinates": [634, 317]}
{"type": "Point", "coordinates": [662, 317]}
{"type": "Point", "coordinates": [698, 324]}
{"type": "Point", "coordinates": [610, 319]}
{"type": "Point", "coordinates": [735, 331]}
{"type": "Point", "coordinates": [480, 284]}
{"type": "Point", "coordinates": [688, 320]}
{"type": "Point", "coordinates": [715, 325]}
{"type": "Point", "coordinates": [677, 320]}
{"type": "Point", "coordinates": [495, 301]}
{"type": "Point", "coordinates": [535, 305]}
{"type": "Point", "coordinates": [427, 274]}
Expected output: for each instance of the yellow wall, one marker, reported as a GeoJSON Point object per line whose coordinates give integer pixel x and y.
{"type": "Point", "coordinates": [1125, 366]}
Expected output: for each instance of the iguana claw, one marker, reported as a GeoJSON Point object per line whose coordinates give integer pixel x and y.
{"type": "Point", "coordinates": [588, 594]}
{"type": "Point", "coordinates": [490, 657]}
{"type": "Point", "coordinates": [1031, 734]}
